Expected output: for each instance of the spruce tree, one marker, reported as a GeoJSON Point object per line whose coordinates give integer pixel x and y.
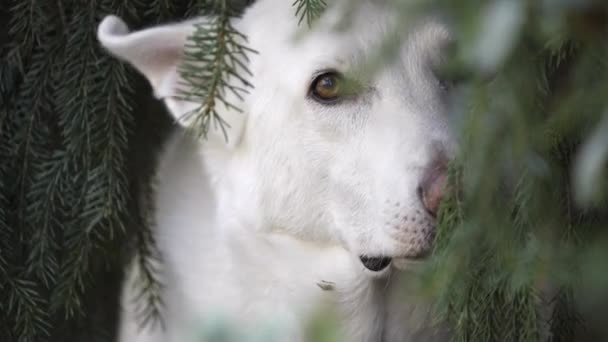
{"type": "Point", "coordinates": [522, 241]}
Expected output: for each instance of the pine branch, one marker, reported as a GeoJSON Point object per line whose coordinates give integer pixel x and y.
{"type": "Point", "coordinates": [27, 23]}
{"type": "Point", "coordinates": [148, 300]}
{"type": "Point", "coordinates": [45, 208]}
{"type": "Point", "coordinates": [73, 275]}
{"type": "Point", "coordinates": [148, 262]}
{"type": "Point", "coordinates": [28, 310]}
{"type": "Point", "coordinates": [7, 90]}
{"type": "Point", "coordinates": [24, 141]}
{"type": "Point", "coordinates": [34, 100]}
{"type": "Point", "coordinates": [215, 58]}
{"type": "Point", "coordinates": [194, 8]}
{"type": "Point", "coordinates": [565, 319]}
{"type": "Point", "coordinates": [95, 120]}
{"type": "Point", "coordinates": [7, 85]}
{"type": "Point", "coordinates": [309, 10]}
{"type": "Point", "coordinates": [39, 196]}
{"type": "Point", "coordinates": [6, 231]}
{"type": "Point", "coordinates": [160, 10]}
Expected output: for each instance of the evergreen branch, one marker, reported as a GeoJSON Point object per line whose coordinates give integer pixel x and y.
{"type": "Point", "coordinates": [36, 216]}
{"type": "Point", "coordinates": [95, 128]}
{"type": "Point", "coordinates": [8, 84]}
{"type": "Point", "coordinates": [565, 319]}
{"type": "Point", "coordinates": [148, 300]}
{"type": "Point", "coordinates": [33, 102]}
{"type": "Point", "coordinates": [73, 274]}
{"type": "Point", "coordinates": [28, 309]}
{"type": "Point", "coordinates": [193, 8]}
{"type": "Point", "coordinates": [45, 210]}
{"type": "Point", "coordinates": [29, 140]}
{"type": "Point", "coordinates": [6, 232]}
{"type": "Point", "coordinates": [222, 8]}
{"type": "Point", "coordinates": [148, 260]}
{"type": "Point", "coordinates": [7, 92]}
{"type": "Point", "coordinates": [160, 10]}
{"type": "Point", "coordinates": [26, 25]}
{"type": "Point", "coordinates": [215, 57]}
{"type": "Point", "coordinates": [309, 10]}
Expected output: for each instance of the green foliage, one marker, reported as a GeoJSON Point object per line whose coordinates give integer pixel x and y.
{"type": "Point", "coordinates": [215, 58]}
{"type": "Point", "coordinates": [66, 120]}
{"type": "Point", "coordinates": [69, 199]}
{"type": "Point", "coordinates": [505, 266]}
{"type": "Point", "coordinates": [148, 260]}
{"type": "Point", "coordinates": [309, 10]}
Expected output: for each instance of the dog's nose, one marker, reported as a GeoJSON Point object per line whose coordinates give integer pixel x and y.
{"type": "Point", "coordinates": [375, 264]}
{"type": "Point", "coordinates": [432, 186]}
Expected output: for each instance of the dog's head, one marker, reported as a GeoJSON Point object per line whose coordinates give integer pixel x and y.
{"type": "Point", "coordinates": [326, 150]}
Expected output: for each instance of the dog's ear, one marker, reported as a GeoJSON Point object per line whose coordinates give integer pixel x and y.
{"type": "Point", "coordinates": [157, 53]}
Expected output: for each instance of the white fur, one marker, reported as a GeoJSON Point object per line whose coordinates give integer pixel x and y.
{"type": "Point", "coordinates": [249, 229]}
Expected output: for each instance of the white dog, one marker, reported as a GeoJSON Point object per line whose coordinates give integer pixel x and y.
{"type": "Point", "coordinates": [321, 196]}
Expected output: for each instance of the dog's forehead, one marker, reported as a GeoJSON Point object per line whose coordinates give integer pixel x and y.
{"type": "Point", "coordinates": [339, 37]}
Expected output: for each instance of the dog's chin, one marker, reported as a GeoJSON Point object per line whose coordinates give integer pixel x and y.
{"type": "Point", "coordinates": [378, 274]}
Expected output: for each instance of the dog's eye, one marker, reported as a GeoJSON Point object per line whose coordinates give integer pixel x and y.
{"type": "Point", "coordinates": [328, 87]}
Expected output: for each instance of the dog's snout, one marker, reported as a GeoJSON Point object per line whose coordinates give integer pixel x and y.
{"type": "Point", "coordinates": [432, 186]}
{"type": "Point", "coordinates": [375, 264]}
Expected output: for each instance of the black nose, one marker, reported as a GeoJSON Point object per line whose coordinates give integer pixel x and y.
{"type": "Point", "coordinates": [375, 264]}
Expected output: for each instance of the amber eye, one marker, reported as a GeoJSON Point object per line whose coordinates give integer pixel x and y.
{"type": "Point", "coordinates": [328, 87]}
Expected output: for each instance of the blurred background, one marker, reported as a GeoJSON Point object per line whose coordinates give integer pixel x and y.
{"type": "Point", "coordinates": [80, 131]}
